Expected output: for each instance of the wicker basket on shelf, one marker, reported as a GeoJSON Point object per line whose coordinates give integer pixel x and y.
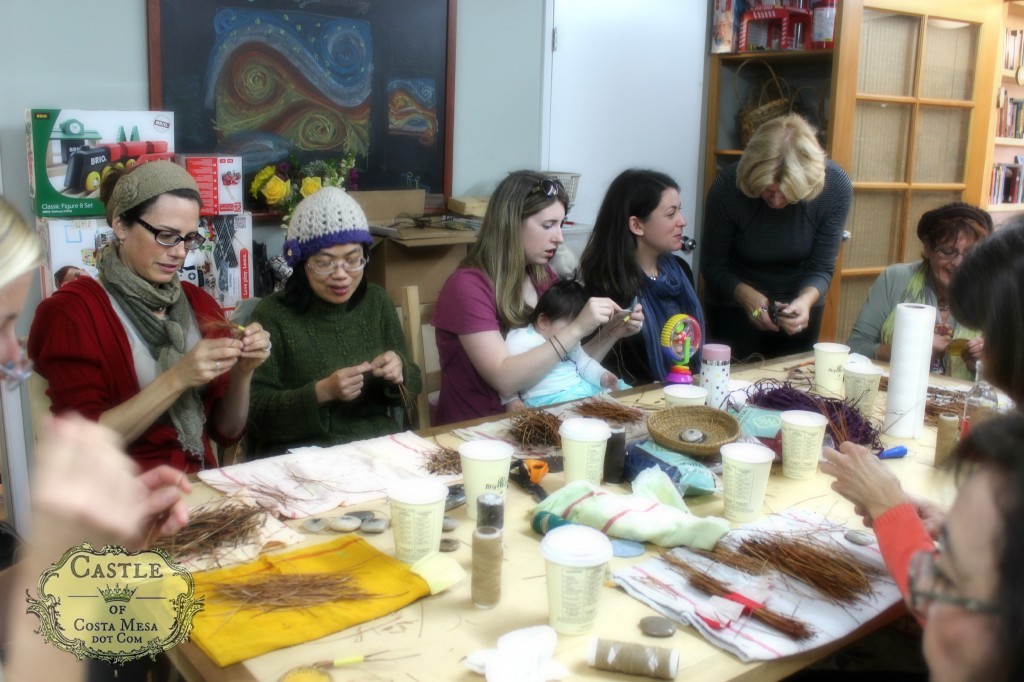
{"type": "Point", "coordinates": [769, 99]}
{"type": "Point", "coordinates": [719, 428]}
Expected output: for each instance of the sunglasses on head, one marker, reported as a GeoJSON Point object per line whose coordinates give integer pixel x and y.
{"type": "Point", "coordinates": [548, 187]}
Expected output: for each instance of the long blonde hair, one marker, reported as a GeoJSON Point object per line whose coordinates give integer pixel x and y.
{"type": "Point", "coordinates": [20, 250]}
{"type": "Point", "coordinates": [783, 151]}
{"type": "Point", "coordinates": [498, 250]}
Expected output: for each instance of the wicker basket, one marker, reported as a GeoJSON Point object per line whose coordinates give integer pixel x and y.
{"type": "Point", "coordinates": [773, 99]}
{"type": "Point", "coordinates": [719, 427]}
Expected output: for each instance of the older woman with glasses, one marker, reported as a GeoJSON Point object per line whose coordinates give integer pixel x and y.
{"type": "Point", "coordinates": [947, 233]}
{"type": "Point", "coordinates": [494, 290]}
{"type": "Point", "coordinates": [138, 350]}
{"type": "Point", "coordinates": [339, 367]}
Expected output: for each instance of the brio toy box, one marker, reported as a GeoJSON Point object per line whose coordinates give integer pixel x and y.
{"type": "Point", "coordinates": [219, 179]}
{"type": "Point", "coordinates": [70, 151]}
{"type": "Point", "coordinates": [222, 266]}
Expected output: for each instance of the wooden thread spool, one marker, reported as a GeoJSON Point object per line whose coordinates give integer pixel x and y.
{"type": "Point", "coordinates": [486, 585]}
{"type": "Point", "coordinates": [946, 438]}
{"type": "Point", "coordinates": [633, 659]}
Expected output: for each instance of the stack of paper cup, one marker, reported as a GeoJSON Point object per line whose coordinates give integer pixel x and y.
{"type": "Point", "coordinates": [745, 470]}
{"type": "Point", "coordinates": [861, 380]}
{"type": "Point", "coordinates": [803, 433]}
{"type": "Point", "coordinates": [577, 560]}
{"type": "Point", "coordinates": [417, 513]}
{"type": "Point", "coordinates": [685, 394]}
{"type": "Point", "coordinates": [583, 444]}
{"type": "Point", "coordinates": [485, 468]}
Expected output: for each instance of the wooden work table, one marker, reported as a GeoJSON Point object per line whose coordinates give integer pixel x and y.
{"type": "Point", "coordinates": [436, 633]}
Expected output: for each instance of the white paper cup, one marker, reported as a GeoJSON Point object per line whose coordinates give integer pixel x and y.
{"type": "Point", "coordinates": [685, 394]}
{"type": "Point", "coordinates": [485, 465]}
{"type": "Point", "coordinates": [745, 470]}
{"type": "Point", "coordinates": [802, 436]}
{"type": "Point", "coordinates": [829, 359]}
{"type": "Point", "coordinates": [583, 444]}
{"type": "Point", "coordinates": [417, 512]}
{"type": "Point", "coordinates": [577, 561]}
{"type": "Point", "coordinates": [861, 381]}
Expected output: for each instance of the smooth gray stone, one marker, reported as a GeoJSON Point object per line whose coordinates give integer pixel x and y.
{"type": "Point", "coordinates": [657, 626]}
{"type": "Point", "coordinates": [315, 525]}
{"type": "Point", "coordinates": [692, 436]}
{"type": "Point", "coordinates": [345, 524]}
{"type": "Point", "coordinates": [449, 544]}
{"type": "Point", "coordinates": [362, 515]}
{"type": "Point", "coordinates": [449, 524]}
{"type": "Point", "coordinates": [859, 537]}
{"type": "Point", "coordinates": [627, 548]}
{"type": "Point", "coordinates": [374, 526]}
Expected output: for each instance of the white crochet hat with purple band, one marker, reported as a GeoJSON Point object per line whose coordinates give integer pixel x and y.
{"type": "Point", "coordinates": [326, 218]}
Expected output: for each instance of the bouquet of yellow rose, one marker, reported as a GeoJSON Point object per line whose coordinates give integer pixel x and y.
{"type": "Point", "coordinates": [283, 186]}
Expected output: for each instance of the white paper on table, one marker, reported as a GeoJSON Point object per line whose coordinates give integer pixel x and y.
{"type": "Point", "coordinates": [311, 480]}
{"type": "Point", "coordinates": [655, 583]}
{"type": "Point", "coordinates": [907, 394]}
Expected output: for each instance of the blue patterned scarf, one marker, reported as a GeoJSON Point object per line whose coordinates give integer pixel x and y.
{"type": "Point", "coordinates": [670, 294]}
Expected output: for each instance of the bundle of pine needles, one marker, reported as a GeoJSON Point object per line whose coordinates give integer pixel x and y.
{"type": "Point", "coordinates": [838, 575]}
{"type": "Point", "coordinates": [536, 427]}
{"type": "Point", "coordinates": [443, 460]}
{"type": "Point", "coordinates": [609, 411]}
{"type": "Point", "coordinates": [212, 529]}
{"type": "Point", "coordinates": [702, 582]}
{"type": "Point", "coordinates": [281, 592]}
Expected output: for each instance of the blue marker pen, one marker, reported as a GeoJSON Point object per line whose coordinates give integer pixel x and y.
{"type": "Point", "coordinates": [894, 452]}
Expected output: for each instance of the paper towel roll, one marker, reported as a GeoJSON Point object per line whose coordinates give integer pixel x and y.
{"type": "Point", "coordinates": [908, 370]}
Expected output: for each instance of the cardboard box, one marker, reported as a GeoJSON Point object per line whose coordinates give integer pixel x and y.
{"type": "Point", "coordinates": [426, 263]}
{"type": "Point", "coordinates": [222, 266]}
{"type": "Point", "coordinates": [219, 179]}
{"type": "Point", "coordinates": [471, 206]}
{"type": "Point", "coordinates": [386, 206]}
{"type": "Point", "coordinates": [70, 150]}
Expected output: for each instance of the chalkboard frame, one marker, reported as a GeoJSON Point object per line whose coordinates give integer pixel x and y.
{"type": "Point", "coordinates": [159, 71]}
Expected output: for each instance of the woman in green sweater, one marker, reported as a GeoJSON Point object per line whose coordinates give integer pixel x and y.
{"type": "Point", "coordinates": [339, 359]}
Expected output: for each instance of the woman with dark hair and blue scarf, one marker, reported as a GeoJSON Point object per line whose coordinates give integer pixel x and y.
{"type": "Point", "coordinates": [629, 259]}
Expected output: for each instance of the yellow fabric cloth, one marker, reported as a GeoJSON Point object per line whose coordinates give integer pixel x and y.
{"type": "Point", "coordinates": [229, 634]}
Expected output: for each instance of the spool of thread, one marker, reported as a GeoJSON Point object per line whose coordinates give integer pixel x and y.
{"type": "Point", "coordinates": [945, 439]}
{"type": "Point", "coordinates": [490, 510]}
{"type": "Point", "coordinates": [633, 659]}
{"type": "Point", "coordinates": [486, 586]}
{"type": "Point", "coordinates": [545, 521]}
{"type": "Point", "coordinates": [615, 455]}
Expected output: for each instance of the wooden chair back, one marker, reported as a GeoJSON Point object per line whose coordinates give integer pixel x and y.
{"type": "Point", "coordinates": [419, 338]}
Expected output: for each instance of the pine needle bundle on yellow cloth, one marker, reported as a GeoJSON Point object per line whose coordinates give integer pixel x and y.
{"type": "Point", "coordinates": [228, 633]}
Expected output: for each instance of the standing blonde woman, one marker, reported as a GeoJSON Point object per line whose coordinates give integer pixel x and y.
{"type": "Point", "coordinates": [494, 290]}
{"type": "Point", "coordinates": [772, 230]}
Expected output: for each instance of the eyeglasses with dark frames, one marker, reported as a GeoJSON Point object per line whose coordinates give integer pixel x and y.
{"type": "Point", "coordinates": [167, 238]}
{"type": "Point", "coordinates": [549, 187]}
{"type": "Point", "coordinates": [950, 254]}
{"type": "Point", "coordinates": [924, 579]}
{"type": "Point", "coordinates": [326, 268]}
{"type": "Point", "coordinates": [17, 372]}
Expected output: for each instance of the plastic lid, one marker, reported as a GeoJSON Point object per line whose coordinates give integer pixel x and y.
{"type": "Point", "coordinates": [585, 429]}
{"type": "Point", "coordinates": [717, 352]}
{"type": "Point", "coordinates": [486, 449]}
{"type": "Point", "coordinates": [576, 546]}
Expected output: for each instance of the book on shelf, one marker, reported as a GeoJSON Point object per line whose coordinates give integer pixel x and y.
{"type": "Point", "coordinates": [1007, 185]}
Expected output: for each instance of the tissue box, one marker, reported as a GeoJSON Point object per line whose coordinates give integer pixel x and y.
{"type": "Point", "coordinates": [70, 151]}
{"type": "Point", "coordinates": [219, 179]}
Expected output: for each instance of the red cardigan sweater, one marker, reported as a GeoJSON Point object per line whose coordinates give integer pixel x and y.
{"type": "Point", "coordinates": [78, 343]}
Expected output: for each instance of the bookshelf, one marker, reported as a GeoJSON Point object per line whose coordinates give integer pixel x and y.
{"type": "Point", "coordinates": [1006, 181]}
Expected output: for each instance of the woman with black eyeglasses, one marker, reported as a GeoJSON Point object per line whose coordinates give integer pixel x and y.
{"type": "Point", "coordinates": [494, 290]}
{"type": "Point", "coordinates": [340, 365]}
{"type": "Point", "coordinates": [965, 585]}
{"type": "Point", "coordinates": [138, 350]}
{"type": "Point", "coordinates": [947, 233]}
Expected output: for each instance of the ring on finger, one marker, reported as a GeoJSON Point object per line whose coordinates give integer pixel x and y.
{"type": "Point", "coordinates": [269, 346]}
{"type": "Point", "coordinates": [216, 365]}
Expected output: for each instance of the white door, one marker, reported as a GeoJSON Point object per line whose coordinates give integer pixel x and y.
{"type": "Point", "coordinates": [624, 87]}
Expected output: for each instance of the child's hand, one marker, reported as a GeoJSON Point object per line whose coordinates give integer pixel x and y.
{"type": "Point", "coordinates": [609, 381]}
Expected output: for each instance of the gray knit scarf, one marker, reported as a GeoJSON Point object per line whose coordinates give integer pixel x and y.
{"type": "Point", "coordinates": [165, 338]}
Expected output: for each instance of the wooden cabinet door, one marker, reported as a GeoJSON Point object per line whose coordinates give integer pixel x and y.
{"type": "Point", "coordinates": [913, 90]}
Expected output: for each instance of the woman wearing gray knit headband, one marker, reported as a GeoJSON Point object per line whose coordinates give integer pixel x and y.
{"type": "Point", "coordinates": [140, 351]}
{"type": "Point", "coordinates": [947, 233]}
